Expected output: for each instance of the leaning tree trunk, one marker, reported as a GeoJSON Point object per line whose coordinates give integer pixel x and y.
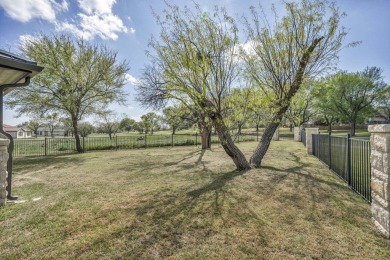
{"type": "Point", "coordinates": [76, 136]}
{"type": "Point", "coordinates": [262, 147]}
{"type": "Point", "coordinates": [228, 145]}
{"type": "Point", "coordinates": [284, 103]}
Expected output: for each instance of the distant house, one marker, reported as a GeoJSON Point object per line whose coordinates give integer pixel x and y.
{"type": "Point", "coordinates": [45, 131]}
{"type": "Point", "coordinates": [17, 132]}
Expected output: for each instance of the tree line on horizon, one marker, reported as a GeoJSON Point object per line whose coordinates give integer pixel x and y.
{"type": "Point", "coordinates": [199, 69]}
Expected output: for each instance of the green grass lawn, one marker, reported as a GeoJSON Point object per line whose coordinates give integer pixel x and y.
{"type": "Point", "coordinates": [182, 203]}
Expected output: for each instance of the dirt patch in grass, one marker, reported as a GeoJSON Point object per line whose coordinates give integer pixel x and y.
{"type": "Point", "coordinates": [181, 203]}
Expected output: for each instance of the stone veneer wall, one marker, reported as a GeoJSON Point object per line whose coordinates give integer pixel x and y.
{"type": "Point", "coordinates": [309, 139]}
{"type": "Point", "coordinates": [3, 170]}
{"type": "Point", "coordinates": [380, 176]}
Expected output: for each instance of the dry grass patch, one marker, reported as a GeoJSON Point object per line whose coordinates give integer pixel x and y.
{"type": "Point", "coordinates": [182, 203]}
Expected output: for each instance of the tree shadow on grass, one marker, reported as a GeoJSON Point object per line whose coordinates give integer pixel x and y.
{"type": "Point", "coordinates": [31, 164]}
{"type": "Point", "coordinates": [168, 219]}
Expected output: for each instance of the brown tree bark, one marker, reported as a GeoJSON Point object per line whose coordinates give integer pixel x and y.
{"type": "Point", "coordinates": [205, 129]}
{"type": "Point", "coordinates": [284, 103]}
{"type": "Point", "coordinates": [353, 128]}
{"type": "Point", "coordinates": [76, 135]}
{"type": "Point", "coordinates": [228, 145]}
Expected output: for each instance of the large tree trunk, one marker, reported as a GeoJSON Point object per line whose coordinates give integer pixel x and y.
{"type": "Point", "coordinates": [206, 138]}
{"type": "Point", "coordinates": [262, 147]}
{"type": "Point", "coordinates": [353, 128]}
{"type": "Point", "coordinates": [228, 145]}
{"type": "Point", "coordinates": [205, 129]}
{"type": "Point", "coordinates": [76, 135]}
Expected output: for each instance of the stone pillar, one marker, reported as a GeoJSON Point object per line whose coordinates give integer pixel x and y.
{"type": "Point", "coordinates": [297, 133]}
{"type": "Point", "coordinates": [380, 176]}
{"type": "Point", "coordinates": [3, 170]}
{"type": "Point", "coordinates": [275, 137]}
{"type": "Point", "coordinates": [309, 139]}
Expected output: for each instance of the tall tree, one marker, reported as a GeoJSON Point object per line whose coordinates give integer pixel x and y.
{"type": "Point", "coordinates": [300, 109]}
{"type": "Point", "coordinates": [151, 122]}
{"type": "Point", "coordinates": [195, 62]}
{"type": "Point", "coordinates": [353, 94]}
{"type": "Point", "coordinates": [79, 78]}
{"type": "Point", "coordinates": [127, 124]}
{"type": "Point", "coordinates": [300, 45]}
{"type": "Point", "coordinates": [85, 129]}
{"type": "Point", "coordinates": [323, 104]}
{"type": "Point", "coordinates": [34, 125]}
{"type": "Point", "coordinates": [108, 122]}
{"type": "Point", "coordinates": [237, 106]}
{"type": "Point", "coordinates": [51, 121]}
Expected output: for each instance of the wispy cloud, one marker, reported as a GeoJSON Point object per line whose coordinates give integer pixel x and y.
{"type": "Point", "coordinates": [131, 79]}
{"type": "Point", "coordinates": [24, 11]}
{"type": "Point", "coordinates": [96, 19]}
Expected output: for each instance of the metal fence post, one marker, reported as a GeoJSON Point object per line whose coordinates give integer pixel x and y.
{"type": "Point", "coordinates": [45, 146]}
{"type": "Point", "coordinates": [330, 149]}
{"type": "Point", "coordinates": [196, 139]}
{"type": "Point", "coordinates": [349, 159]}
{"type": "Point", "coordinates": [116, 142]}
{"type": "Point", "coordinates": [172, 140]}
{"type": "Point", "coordinates": [83, 144]}
{"type": "Point", "coordinates": [146, 143]}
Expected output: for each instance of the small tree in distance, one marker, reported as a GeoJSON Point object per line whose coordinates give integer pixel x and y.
{"type": "Point", "coordinates": [85, 129]}
{"type": "Point", "coordinates": [34, 125]}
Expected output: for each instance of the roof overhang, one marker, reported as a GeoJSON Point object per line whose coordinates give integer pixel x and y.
{"type": "Point", "coordinates": [15, 70]}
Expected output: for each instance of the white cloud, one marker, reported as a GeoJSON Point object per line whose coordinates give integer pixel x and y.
{"type": "Point", "coordinates": [24, 11]}
{"type": "Point", "coordinates": [96, 19]}
{"type": "Point", "coordinates": [96, 6]}
{"type": "Point", "coordinates": [131, 79]}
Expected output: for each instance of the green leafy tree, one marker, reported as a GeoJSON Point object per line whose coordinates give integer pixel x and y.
{"type": "Point", "coordinates": [301, 106]}
{"type": "Point", "coordinates": [353, 94]}
{"type": "Point", "coordinates": [299, 46]}
{"type": "Point", "coordinates": [194, 62]}
{"type": "Point", "coordinates": [323, 104]}
{"type": "Point", "coordinates": [51, 121]}
{"type": "Point", "coordinates": [127, 124]}
{"type": "Point", "coordinates": [151, 122]}
{"type": "Point", "coordinates": [237, 106]}
{"type": "Point", "coordinates": [79, 78]}
{"type": "Point", "coordinates": [382, 106]}
{"type": "Point", "coordinates": [108, 123]}
{"type": "Point", "coordinates": [34, 125]}
{"type": "Point", "coordinates": [85, 129]}
{"type": "Point", "coordinates": [173, 118]}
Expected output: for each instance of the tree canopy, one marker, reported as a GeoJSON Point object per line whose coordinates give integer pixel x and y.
{"type": "Point", "coordinates": [78, 80]}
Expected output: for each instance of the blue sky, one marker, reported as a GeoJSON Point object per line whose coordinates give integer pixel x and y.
{"type": "Point", "coordinates": [127, 25]}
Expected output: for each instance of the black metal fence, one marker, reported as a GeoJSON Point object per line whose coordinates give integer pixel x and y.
{"type": "Point", "coordinates": [55, 146]}
{"type": "Point", "coordinates": [303, 136]}
{"type": "Point", "coordinates": [348, 158]}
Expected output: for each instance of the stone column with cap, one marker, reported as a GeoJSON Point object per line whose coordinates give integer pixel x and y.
{"type": "Point", "coordinates": [380, 176]}
{"type": "Point", "coordinates": [309, 138]}
{"type": "Point", "coordinates": [3, 170]}
{"type": "Point", "coordinates": [297, 133]}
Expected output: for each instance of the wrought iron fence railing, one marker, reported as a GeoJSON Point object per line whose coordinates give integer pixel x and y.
{"type": "Point", "coordinates": [348, 158]}
{"type": "Point", "coordinates": [67, 145]}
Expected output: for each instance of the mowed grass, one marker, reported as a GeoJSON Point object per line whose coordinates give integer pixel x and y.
{"type": "Point", "coordinates": [182, 203]}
